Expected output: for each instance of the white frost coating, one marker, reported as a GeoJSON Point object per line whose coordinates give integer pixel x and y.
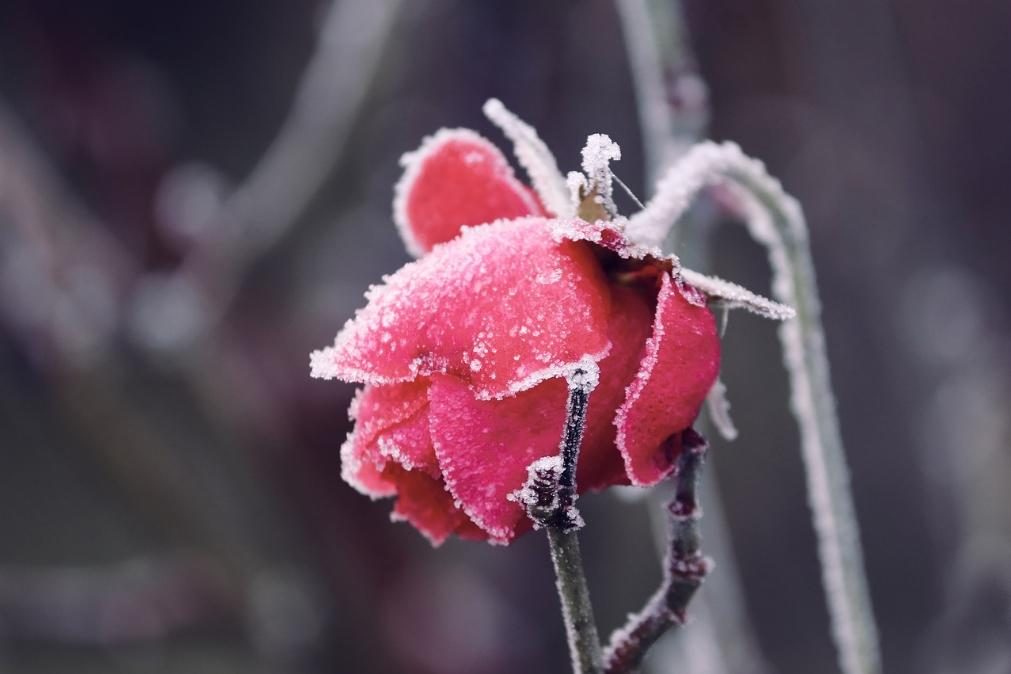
{"type": "Point", "coordinates": [775, 220]}
{"type": "Point", "coordinates": [704, 165]}
{"type": "Point", "coordinates": [412, 162]}
{"type": "Point", "coordinates": [719, 411]}
{"type": "Point", "coordinates": [550, 372]}
{"type": "Point", "coordinates": [527, 495]}
{"type": "Point", "coordinates": [577, 186]}
{"type": "Point", "coordinates": [350, 464]}
{"type": "Point", "coordinates": [733, 296]}
{"type": "Point", "coordinates": [584, 375]}
{"type": "Point", "coordinates": [535, 158]}
{"type": "Point", "coordinates": [598, 153]}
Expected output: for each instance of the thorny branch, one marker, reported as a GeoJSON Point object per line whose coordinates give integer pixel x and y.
{"type": "Point", "coordinates": [684, 567]}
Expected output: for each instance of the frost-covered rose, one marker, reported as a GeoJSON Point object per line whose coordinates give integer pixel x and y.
{"type": "Point", "coordinates": [463, 352]}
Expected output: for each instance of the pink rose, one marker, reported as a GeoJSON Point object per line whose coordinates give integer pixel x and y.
{"type": "Point", "coordinates": [463, 352]}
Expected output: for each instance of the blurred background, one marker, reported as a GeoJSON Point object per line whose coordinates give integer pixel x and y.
{"type": "Point", "coordinates": [194, 195]}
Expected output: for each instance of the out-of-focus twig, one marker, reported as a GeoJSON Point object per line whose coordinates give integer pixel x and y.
{"type": "Point", "coordinates": [137, 600]}
{"type": "Point", "coordinates": [61, 273]}
{"type": "Point", "coordinates": [267, 204]}
{"type": "Point", "coordinates": [673, 103]}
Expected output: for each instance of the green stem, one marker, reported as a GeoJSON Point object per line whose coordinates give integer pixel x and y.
{"type": "Point", "coordinates": [577, 611]}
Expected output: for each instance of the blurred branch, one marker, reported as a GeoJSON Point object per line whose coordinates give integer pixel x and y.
{"type": "Point", "coordinates": [261, 210]}
{"type": "Point", "coordinates": [684, 567]}
{"type": "Point", "coordinates": [61, 273]}
{"type": "Point", "coordinates": [673, 102]}
{"type": "Point", "coordinates": [138, 600]}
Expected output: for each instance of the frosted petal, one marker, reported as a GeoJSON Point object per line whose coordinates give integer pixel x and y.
{"type": "Point", "coordinates": [503, 307]}
{"type": "Point", "coordinates": [679, 364]}
{"type": "Point", "coordinates": [361, 472]}
{"type": "Point", "coordinates": [424, 502]}
{"type": "Point", "coordinates": [455, 178]}
{"type": "Point", "coordinates": [600, 463]}
{"type": "Point", "coordinates": [484, 447]}
{"type": "Point", "coordinates": [377, 408]}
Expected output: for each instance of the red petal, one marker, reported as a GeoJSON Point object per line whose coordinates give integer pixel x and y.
{"type": "Point", "coordinates": [600, 464]}
{"type": "Point", "coordinates": [424, 502]}
{"type": "Point", "coordinates": [456, 178]}
{"type": "Point", "coordinates": [410, 445]}
{"type": "Point", "coordinates": [362, 472]}
{"type": "Point", "coordinates": [502, 307]}
{"type": "Point", "coordinates": [390, 423]}
{"type": "Point", "coordinates": [679, 365]}
{"type": "Point", "coordinates": [377, 408]}
{"type": "Point", "coordinates": [484, 447]}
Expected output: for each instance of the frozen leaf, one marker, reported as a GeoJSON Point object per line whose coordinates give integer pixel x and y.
{"type": "Point", "coordinates": [733, 296]}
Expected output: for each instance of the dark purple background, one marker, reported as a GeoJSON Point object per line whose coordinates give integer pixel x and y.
{"type": "Point", "coordinates": [887, 120]}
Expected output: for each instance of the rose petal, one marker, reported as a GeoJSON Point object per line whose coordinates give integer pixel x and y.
{"type": "Point", "coordinates": [456, 178]}
{"type": "Point", "coordinates": [484, 447]}
{"type": "Point", "coordinates": [424, 502]}
{"type": "Point", "coordinates": [502, 307]}
{"type": "Point", "coordinates": [409, 445]}
{"type": "Point", "coordinates": [600, 463]}
{"type": "Point", "coordinates": [362, 472]}
{"type": "Point", "coordinates": [679, 364]}
{"type": "Point", "coordinates": [375, 409]}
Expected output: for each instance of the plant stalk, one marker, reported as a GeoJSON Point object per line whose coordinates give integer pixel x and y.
{"type": "Point", "coordinates": [577, 611]}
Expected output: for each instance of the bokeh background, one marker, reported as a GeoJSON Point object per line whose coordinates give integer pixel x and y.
{"type": "Point", "coordinates": [194, 195]}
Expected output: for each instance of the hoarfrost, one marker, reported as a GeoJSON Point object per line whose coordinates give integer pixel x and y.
{"type": "Point", "coordinates": [719, 411]}
{"type": "Point", "coordinates": [598, 153]}
{"type": "Point", "coordinates": [775, 220]}
{"type": "Point", "coordinates": [535, 157]}
{"type": "Point", "coordinates": [733, 296]}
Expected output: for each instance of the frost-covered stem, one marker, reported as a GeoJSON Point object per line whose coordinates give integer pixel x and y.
{"type": "Point", "coordinates": [776, 220]}
{"type": "Point", "coordinates": [577, 611]}
{"type": "Point", "coordinates": [581, 383]}
{"type": "Point", "coordinates": [672, 99]}
{"type": "Point", "coordinates": [549, 497]}
{"type": "Point", "coordinates": [684, 567]}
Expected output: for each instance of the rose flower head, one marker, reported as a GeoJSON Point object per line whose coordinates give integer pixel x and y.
{"type": "Point", "coordinates": [464, 352]}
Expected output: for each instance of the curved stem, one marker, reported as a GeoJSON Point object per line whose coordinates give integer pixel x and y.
{"type": "Point", "coordinates": [776, 220]}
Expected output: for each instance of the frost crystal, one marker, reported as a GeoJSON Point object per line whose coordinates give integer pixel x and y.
{"type": "Point", "coordinates": [598, 153]}
{"type": "Point", "coordinates": [733, 296]}
{"type": "Point", "coordinates": [535, 157]}
{"type": "Point", "coordinates": [719, 411]}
